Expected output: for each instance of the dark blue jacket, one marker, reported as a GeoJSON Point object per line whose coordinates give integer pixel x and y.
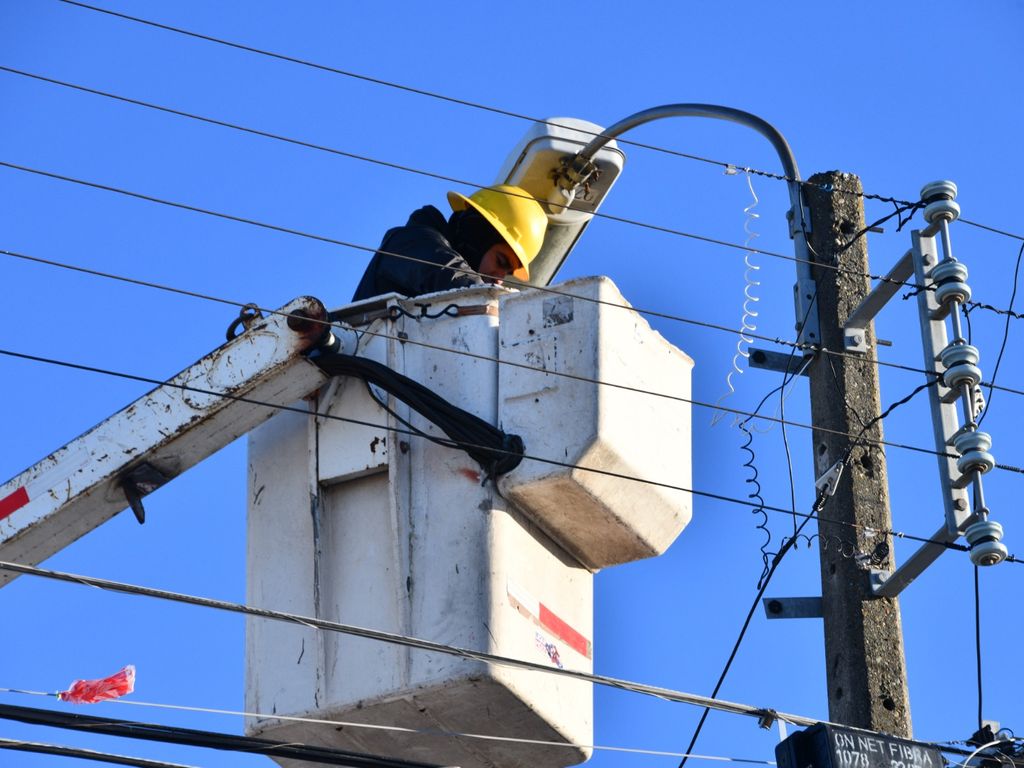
{"type": "Point", "coordinates": [424, 237]}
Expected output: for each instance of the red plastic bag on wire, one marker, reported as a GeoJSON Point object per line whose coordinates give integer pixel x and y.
{"type": "Point", "coordinates": [93, 691]}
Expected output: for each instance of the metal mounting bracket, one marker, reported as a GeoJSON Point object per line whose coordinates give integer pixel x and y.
{"type": "Point", "coordinates": [805, 291]}
{"type": "Point", "coordinates": [829, 481]}
{"type": "Point", "coordinates": [801, 226]}
{"type": "Point", "coordinates": [855, 328]}
{"type": "Point", "coordinates": [923, 257]}
{"type": "Point", "coordinates": [792, 607]}
{"type": "Point", "coordinates": [777, 361]}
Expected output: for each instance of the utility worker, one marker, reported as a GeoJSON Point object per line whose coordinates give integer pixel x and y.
{"type": "Point", "coordinates": [496, 232]}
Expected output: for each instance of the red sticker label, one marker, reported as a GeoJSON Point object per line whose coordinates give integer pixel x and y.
{"type": "Point", "coordinates": [13, 502]}
{"type": "Point", "coordinates": [560, 629]}
{"type": "Point", "coordinates": [543, 617]}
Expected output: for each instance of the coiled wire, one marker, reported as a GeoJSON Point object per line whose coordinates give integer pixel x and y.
{"type": "Point", "coordinates": [747, 324]}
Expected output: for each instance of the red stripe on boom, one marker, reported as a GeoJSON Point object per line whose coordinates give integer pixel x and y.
{"type": "Point", "coordinates": [13, 502]}
{"type": "Point", "coordinates": [564, 632]}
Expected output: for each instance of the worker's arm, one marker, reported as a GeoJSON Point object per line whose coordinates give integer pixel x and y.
{"type": "Point", "coordinates": [432, 265]}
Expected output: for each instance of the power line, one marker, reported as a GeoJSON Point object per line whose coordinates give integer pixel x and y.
{"type": "Point", "coordinates": [970, 306]}
{"type": "Point", "coordinates": [85, 754]}
{"type": "Point", "coordinates": [466, 103]}
{"type": "Point", "coordinates": [376, 161]}
{"type": "Point", "coordinates": [238, 127]}
{"type": "Point", "coordinates": [378, 81]}
{"type": "Point", "coordinates": [534, 369]}
{"type": "Point", "coordinates": [431, 174]}
{"type": "Point", "coordinates": [787, 544]}
{"type": "Point", "coordinates": [409, 642]}
{"type": "Point", "coordinates": [356, 246]}
{"type": "Point", "coordinates": [1006, 335]}
{"type": "Point", "coordinates": [500, 111]}
{"type": "Point", "coordinates": [412, 433]}
{"type": "Point", "coordinates": [1002, 232]}
{"type": "Point", "coordinates": [196, 738]}
{"type": "Point", "coordinates": [476, 356]}
{"type": "Point", "coordinates": [805, 347]}
{"type": "Point", "coordinates": [412, 731]}
{"type": "Point", "coordinates": [466, 353]}
{"type": "Point", "coordinates": [436, 95]}
{"type": "Point", "coordinates": [541, 288]}
{"type": "Point", "coordinates": [765, 581]}
{"type": "Point", "coordinates": [977, 643]}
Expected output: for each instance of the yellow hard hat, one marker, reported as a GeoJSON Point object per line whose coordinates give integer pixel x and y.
{"type": "Point", "coordinates": [515, 214]}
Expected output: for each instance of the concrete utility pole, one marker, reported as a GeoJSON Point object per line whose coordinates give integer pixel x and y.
{"type": "Point", "coordinates": [865, 664]}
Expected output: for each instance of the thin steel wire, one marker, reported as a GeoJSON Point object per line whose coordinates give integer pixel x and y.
{"type": "Point", "coordinates": [1002, 232]}
{"type": "Point", "coordinates": [459, 101]}
{"type": "Point", "coordinates": [356, 246]}
{"type": "Point", "coordinates": [400, 729]}
{"type": "Point", "coordinates": [488, 358]}
{"type": "Point", "coordinates": [732, 167]}
{"type": "Point", "coordinates": [807, 348]}
{"type": "Point", "coordinates": [407, 641]}
{"type": "Point", "coordinates": [16, 745]}
{"type": "Point", "coordinates": [412, 433]}
{"type": "Point", "coordinates": [369, 249]}
{"type": "Point", "coordinates": [348, 244]}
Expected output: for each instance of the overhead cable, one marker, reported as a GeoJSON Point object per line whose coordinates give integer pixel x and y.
{"type": "Point", "coordinates": [970, 306]}
{"type": "Point", "coordinates": [432, 732]}
{"type": "Point", "coordinates": [544, 460]}
{"type": "Point", "coordinates": [195, 738]}
{"type": "Point", "coordinates": [409, 169]}
{"type": "Point", "coordinates": [454, 99]}
{"type": "Point", "coordinates": [333, 241]}
{"type": "Point", "coordinates": [490, 449]}
{"type": "Point", "coordinates": [763, 583]}
{"type": "Point", "coordinates": [85, 754]}
{"type": "Point", "coordinates": [729, 167]}
{"type": "Point", "coordinates": [977, 645]}
{"type": "Point", "coordinates": [1006, 334]}
{"type": "Point", "coordinates": [802, 346]}
{"type": "Point", "coordinates": [788, 543]}
{"type": "Point", "coordinates": [407, 641]}
{"type": "Point", "coordinates": [356, 246]}
{"type": "Point", "coordinates": [1002, 232]}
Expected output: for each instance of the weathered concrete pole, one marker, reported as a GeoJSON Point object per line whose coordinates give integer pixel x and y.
{"type": "Point", "coordinates": [866, 667]}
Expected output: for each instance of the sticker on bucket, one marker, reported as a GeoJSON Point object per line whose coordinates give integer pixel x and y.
{"type": "Point", "coordinates": [549, 621]}
{"type": "Point", "coordinates": [550, 649]}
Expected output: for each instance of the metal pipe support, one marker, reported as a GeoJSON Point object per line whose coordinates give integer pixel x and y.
{"type": "Point", "coordinates": [799, 216]}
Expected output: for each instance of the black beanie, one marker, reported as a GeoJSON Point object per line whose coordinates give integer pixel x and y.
{"type": "Point", "coordinates": [472, 235]}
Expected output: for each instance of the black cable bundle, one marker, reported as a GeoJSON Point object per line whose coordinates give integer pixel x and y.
{"type": "Point", "coordinates": [494, 450]}
{"type": "Point", "coordinates": [169, 734]}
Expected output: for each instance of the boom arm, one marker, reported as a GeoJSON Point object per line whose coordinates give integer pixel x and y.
{"type": "Point", "coordinates": [162, 434]}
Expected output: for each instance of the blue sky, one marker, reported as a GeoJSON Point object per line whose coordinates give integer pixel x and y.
{"type": "Point", "coordinates": [899, 95]}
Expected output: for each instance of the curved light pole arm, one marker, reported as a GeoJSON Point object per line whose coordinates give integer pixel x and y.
{"type": "Point", "coordinates": [798, 215]}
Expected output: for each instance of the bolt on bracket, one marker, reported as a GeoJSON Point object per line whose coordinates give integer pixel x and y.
{"type": "Point", "coordinates": [829, 481]}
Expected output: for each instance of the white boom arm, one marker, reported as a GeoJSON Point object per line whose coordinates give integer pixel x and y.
{"type": "Point", "coordinates": [160, 435]}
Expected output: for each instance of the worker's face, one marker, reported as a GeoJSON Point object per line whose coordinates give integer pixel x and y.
{"type": "Point", "coordinates": [499, 262]}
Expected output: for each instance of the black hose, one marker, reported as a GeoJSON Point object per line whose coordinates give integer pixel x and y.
{"type": "Point", "coordinates": [496, 452]}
